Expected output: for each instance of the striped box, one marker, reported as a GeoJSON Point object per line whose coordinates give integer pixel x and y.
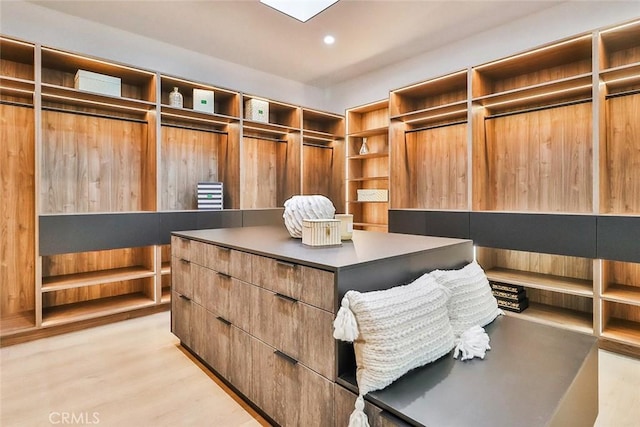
{"type": "Point", "coordinates": [210, 195]}
{"type": "Point", "coordinates": [372, 195]}
{"type": "Point", "coordinates": [321, 232]}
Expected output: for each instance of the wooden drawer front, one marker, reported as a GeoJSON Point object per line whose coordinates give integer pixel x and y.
{"type": "Point", "coordinates": [225, 260]}
{"type": "Point", "coordinates": [313, 286]}
{"type": "Point", "coordinates": [288, 392]}
{"type": "Point", "coordinates": [181, 247]}
{"type": "Point", "coordinates": [241, 372]}
{"type": "Point", "coordinates": [344, 405]}
{"type": "Point", "coordinates": [181, 318]}
{"type": "Point", "coordinates": [227, 297]}
{"type": "Point", "coordinates": [181, 277]}
{"type": "Point", "coordinates": [297, 329]}
{"type": "Point", "coordinates": [214, 342]}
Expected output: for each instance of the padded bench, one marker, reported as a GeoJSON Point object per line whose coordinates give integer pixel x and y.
{"type": "Point", "coordinates": [534, 375]}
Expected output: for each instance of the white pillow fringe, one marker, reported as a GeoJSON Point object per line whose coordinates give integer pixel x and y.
{"type": "Point", "coordinates": [474, 342]}
{"type": "Point", "coordinates": [345, 326]}
{"type": "Point", "coordinates": [358, 418]}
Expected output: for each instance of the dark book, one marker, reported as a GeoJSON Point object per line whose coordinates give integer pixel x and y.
{"type": "Point", "coordinates": [517, 306]}
{"type": "Point", "coordinates": [511, 296]}
{"type": "Point", "coordinates": [506, 287]}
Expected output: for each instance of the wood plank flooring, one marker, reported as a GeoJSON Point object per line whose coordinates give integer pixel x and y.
{"type": "Point", "coordinates": [133, 373]}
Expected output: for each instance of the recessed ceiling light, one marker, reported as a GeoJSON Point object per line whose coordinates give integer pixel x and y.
{"type": "Point", "coordinates": [329, 39]}
{"type": "Point", "coordinates": [302, 10]}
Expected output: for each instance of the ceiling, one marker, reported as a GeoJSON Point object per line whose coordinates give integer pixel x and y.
{"type": "Point", "coordinates": [370, 34]}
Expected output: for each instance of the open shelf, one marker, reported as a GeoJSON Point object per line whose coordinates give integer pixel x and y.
{"type": "Point", "coordinates": [17, 322]}
{"type": "Point", "coordinates": [370, 132]}
{"type": "Point", "coordinates": [370, 178]}
{"type": "Point", "coordinates": [75, 97]}
{"type": "Point", "coordinates": [435, 115]}
{"type": "Point", "coordinates": [166, 268]}
{"type": "Point", "coordinates": [69, 281]}
{"type": "Point", "coordinates": [166, 295]}
{"type": "Point", "coordinates": [376, 155]}
{"type": "Point", "coordinates": [620, 45]}
{"type": "Point", "coordinates": [557, 316]}
{"type": "Point", "coordinates": [17, 60]}
{"type": "Point", "coordinates": [566, 285]}
{"type": "Point", "coordinates": [281, 116]}
{"type": "Point", "coordinates": [69, 313]}
{"type": "Point", "coordinates": [226, 103]}
{"type": "Point", "coordinates": [318, 124]}
{"type": "Point", "coordinates": [621, 322]}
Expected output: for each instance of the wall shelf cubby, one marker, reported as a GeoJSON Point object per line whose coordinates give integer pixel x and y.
{"type": "Point", "coordinates": [370, 124]}
{"type": "Point", "coordinates": [428, 134]}
{"type": "Point", "coordinates": [620, 57]}
{"type": "Point", "coordinates": [559, 288]}
{"type": "Point", "coordinates": [271, 157]}
{"type": "Point", "coordinates": [323, 156]}
{"type": "Point", "coordinates": [17, 75]}
{"type": "Point", "coordinates": [74, 284]}
{"type": "Point", "coordinates": [198, 146]}
{"type": "Point", "coordinates": [621, 301]}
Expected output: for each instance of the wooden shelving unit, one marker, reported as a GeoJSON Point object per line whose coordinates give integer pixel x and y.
{"type": "Point", "coordinates": [429, 144]}
{"type": "Point", "coordinates": [17, 175]}
{"type": "Point", "coordinates": [271, 157]}
{"type": "Point", "coordinates": [198, 146]}
{"type": "Point", "coordinates": [368, 123]}
{"type": "Point", "coordinates": [323, 156]}
{"type": "Point", "coordinates": [559, 288]}
{"type": "Point", "coordinates": [532, 130]}
{"type": "Point", "coordinates": [621, 301]}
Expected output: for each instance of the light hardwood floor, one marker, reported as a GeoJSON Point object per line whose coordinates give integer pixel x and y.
{"type": "Point", "coordinates": [133, 373]}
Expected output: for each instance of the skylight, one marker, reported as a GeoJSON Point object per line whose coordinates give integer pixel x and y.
{"type": "Point", "coordinates": [302, 10]}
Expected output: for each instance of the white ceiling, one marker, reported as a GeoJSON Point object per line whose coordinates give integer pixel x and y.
{"type": "Point", "coordinates": [370, 34]}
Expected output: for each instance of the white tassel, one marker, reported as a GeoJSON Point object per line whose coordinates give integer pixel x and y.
{"type": "Point", "coordinates": [358, 418]}
{"type": "Point", "coordinates": [345, 327]}
{"type": "Point", "coordinates": [474, 342]}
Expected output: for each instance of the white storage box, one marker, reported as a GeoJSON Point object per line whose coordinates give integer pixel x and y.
{"type": "Point", "coordinates": [257, 110]}
{"type": "Point", "coordinates": [97, 83]}
{"type": "Point", "coordinates": [210, 195]}
{"type": "Point", "coordinates": [321, 232]}
{"type": "Point", "coordinates": [373, 195]}
{"type": "Point", "coordinates": [203, 100]}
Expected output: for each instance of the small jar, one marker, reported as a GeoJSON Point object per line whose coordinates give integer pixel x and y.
{"type": "Point", "coordinates": [175, 98]}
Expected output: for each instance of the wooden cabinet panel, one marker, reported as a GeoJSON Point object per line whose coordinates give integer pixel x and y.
{"type": "Point", "coordinates": [181, 318]}
{"type": "Point", "coordinates": [181, 276]}
{"type": "Point", "coordinates": [299, 330]}
{"type": "Point", "coordinates": [344, 405]}
{"type": "Point", "coordinates": [181, 248]}
{"type": "Point", "coordinates": [288, 392]}
{"type": "Point", "coordinates": [217, 343]}
{"type": "Point", "coordinates": [241, 372]}
{"type": "Point", "coordinates": [313, 286]}
{"type": "Point", "coordinates": [224, 260]}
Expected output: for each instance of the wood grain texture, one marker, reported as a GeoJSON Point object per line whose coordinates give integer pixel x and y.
{"type": "Point", "coordinates": [481, 151]}
{"type": "Point", "coordinates": [259, 177]}
{"type": "Point", "coordinates": [368, 117]}
{"type": "Point", "coordinates": [91, 164]}
{"type": "Point", "coordinates": [621, 175]}
{"type": "Point", "coordinates": [17, 210]}
{"type": "Point", "coordinates": [187, 157]}
{"type": "Point", "coordinates": [437, 168]}
{"type": "Point", "coordinates": [323, 172]}
{"type": "Point", "coordinates": [18, 70]}
{"type": "Point", "coordinates": [96, 292]}
{"type": "Point", "coordinates": [619, 58]}
{"type": "Point", "coordinates": [541, 161]}
{"type": "Point", "coordinates": [229, 163]}
{"type": "Point", "coordinates": [288, 168]}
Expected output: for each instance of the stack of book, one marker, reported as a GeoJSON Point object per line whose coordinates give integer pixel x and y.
{"type": "Point", "coordinates": [510, 297]}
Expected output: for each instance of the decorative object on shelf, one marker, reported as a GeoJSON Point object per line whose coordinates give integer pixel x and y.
{"type": "Point", "coordinates": [210, 195]}
{"type": "Point", "coordinates": [510, 297]}
{"type": "Point", "coordinates": [98, 83]}
{"type": "Point", "coordinates": [298, 208]}
{"type": "Point", "coordinates": [346, 226]}
{"type": "Point", "coordinates": [321, 232]}
{"type": "Point", "coordinates": [175, 98]}
{"type": "Point", "coordinates": [372, 195]}
{"type": "Point", "coordinates": [471, 302]}
{"type": "Point", "coordinates": [203, 100]}
{"type": "Point", "coordinates": [364, 148]}
{"type": "Point", "coordinates": [385, 346]}
{"type": "Point", "coordinates": [257, 110]}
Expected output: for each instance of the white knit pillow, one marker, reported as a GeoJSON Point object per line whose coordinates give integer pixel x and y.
{"type": "Point", "coordinates": [471, 303]}
{"type": "Point", "coordinates": [396, 330]}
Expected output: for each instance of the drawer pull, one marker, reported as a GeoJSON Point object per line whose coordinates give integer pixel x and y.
{"type": "Point", "coordinates": [286, 357]}
{"type": "Point", "coordinates": [184, 297]}
{"type": "Point", "coordinates": [223, 275]}
{"type": "Point", "coordinates": [223, 320]}
{"type": "Point", "coordinates": [185, 261]}
{"type": "Point", "coordinates": [286, 297]}
{"type": "Point", "coordinates": [286, 264]}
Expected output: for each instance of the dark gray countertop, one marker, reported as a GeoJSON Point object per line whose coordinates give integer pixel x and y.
{"type": "Point", "coordinates": [365, 247]}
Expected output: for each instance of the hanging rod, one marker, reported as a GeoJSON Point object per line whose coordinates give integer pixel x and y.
{"type": "Point", "coordinates": [624, 93]}
{"type": "Point", "coordinates": [444, 125]}
{"type": "Point", "coordinates": [266, 138]}
{"type": "Point", "coordinates": [85, 113]}
{"type": "Point", "coordinates": [308, 144]}
{"type": "Point", "coordinates": [16, 104]}
{"type": "Point", "coordinates": [170, 125]}
{"type": "Point", "coordinates": [544, 107]}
